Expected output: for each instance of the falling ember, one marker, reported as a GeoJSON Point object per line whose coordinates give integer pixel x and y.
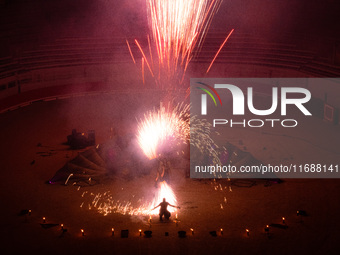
{"type": "Point", "coordinates": [219, 50]}
{"type": "Point", "coordinates": [146, 60]}
{"type": "Point", "coordinates": [133, 59]}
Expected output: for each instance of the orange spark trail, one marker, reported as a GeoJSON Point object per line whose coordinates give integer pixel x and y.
{"type": "Point", "coordinates": [150, 51]}
{"type": "Point", "coordinates": [146, 61]}
{"type": "Point", "coordinates": [226, 39]}
{"type": "Point", "coordinates": [133, 59]}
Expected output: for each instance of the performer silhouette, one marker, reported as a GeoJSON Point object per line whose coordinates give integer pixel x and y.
{"type": "Point", "coordinates": [163, 210]}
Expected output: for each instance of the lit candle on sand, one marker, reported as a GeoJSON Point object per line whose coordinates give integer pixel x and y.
{"type": "Point", "coordinates": [266, 228]}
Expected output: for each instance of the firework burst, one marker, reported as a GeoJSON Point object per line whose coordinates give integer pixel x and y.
{"type": "Point", "coordinates": [166, 129]}
{"type": "Point", "coordinates": [161, 130]}
{"type": "Point", "coordinates": [177, 27]}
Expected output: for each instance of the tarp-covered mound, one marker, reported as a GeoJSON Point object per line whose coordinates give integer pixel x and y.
{"type": "Point", "coordinates": [115, 157]}
{"type": "Point", "coordinates": [233, 155]}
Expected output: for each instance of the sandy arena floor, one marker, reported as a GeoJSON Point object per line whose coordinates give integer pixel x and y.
{"type": "Point", "coordinates": [205, 207]}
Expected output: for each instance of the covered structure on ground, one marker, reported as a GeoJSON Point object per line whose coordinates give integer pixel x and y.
{"type": "Point", "coordinates": [107, 160]}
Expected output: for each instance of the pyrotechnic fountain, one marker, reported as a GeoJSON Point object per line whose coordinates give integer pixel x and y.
{"type": "Point", "coordinates": [177, 27]}
{"type": "Point", "coordinates": [105, 204]}
{"type": "Point", "coordinates": [161, 130]}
